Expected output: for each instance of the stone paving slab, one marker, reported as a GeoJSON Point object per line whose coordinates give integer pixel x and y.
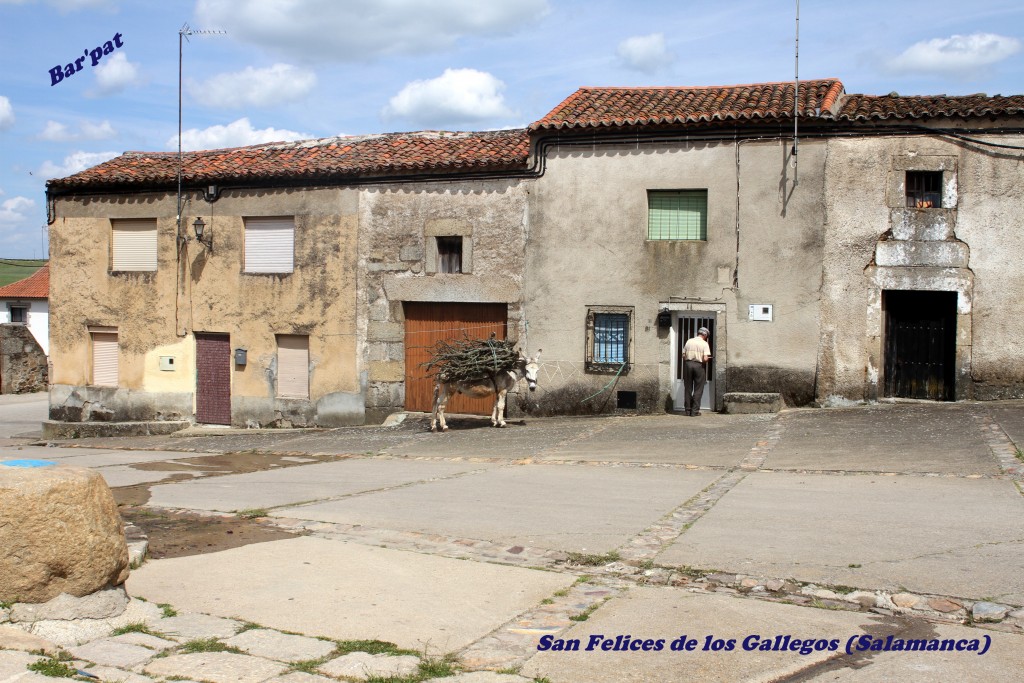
{"type": "Point", "coordinates": [708, 440]}
{"type": "Point", "coordinates": [345, 591]}
{"type": "Point", "coordinates": [361, 665]}
{"type": "Point", "coordinates": [944, 536]}
{"type": "Point", "coordinates": [591, 509]}
{"type": "Point", "coordinates": [194, 626]}
{"type": "Point", "coordinates": [114, 654]}
{"type": "Point", "coordinates": [145, 640]}
{"type": "Point", "coordinates": [272, 488]}
{"type": "Point", "coordinates": [216, 667]}
{"type": "Point", "coordinates": [300, 677]}
{"type": "Point", "coordinates": [281, 647]}
{"type": "Point", "coordinates": [13, 663]}
{"type": "Point", "coordinates": [920, 437]}
{"type": "Point", "coordinates": [68, 633]}
{"type": "Point", "coordinates": [109, 674]}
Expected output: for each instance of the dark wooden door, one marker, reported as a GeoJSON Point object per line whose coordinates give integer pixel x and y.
{"type": "Point", "coordinates": [213, 378]}
{"type": "Point", "coordinates": [425, 324]}
{"type": "Point", "coordinates": [920, 344]}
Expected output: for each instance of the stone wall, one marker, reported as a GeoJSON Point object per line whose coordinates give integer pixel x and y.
{"type": "Point", "coordinates": [23, 367]}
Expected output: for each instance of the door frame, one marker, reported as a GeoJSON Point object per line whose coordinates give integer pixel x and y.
{"type": "Point", "coordinates": [677, 339]}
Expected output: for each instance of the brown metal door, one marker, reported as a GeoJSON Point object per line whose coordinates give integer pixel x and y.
{"type": "Point", "coordinates": [213, 379]}
{"type": "Point", "coordinates": [425, 324]}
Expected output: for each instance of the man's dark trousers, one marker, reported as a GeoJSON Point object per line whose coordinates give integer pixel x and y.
{"type": "Point", "coordinates": [693, 386]}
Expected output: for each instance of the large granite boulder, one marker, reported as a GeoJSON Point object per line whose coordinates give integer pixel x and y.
{"type": "Point", "coordinates": [60, 532]}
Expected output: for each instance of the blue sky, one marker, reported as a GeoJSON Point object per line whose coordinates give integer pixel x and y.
{"type": "Point", "coordinates": [293, 69]}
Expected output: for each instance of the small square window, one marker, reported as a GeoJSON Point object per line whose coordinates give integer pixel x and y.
{"type": "Point", "coordinates": [269, 244]}
{"type": "Point", "coordinates": [609, 338]}
{"type": "Point", "coordinates": [924, 189]}
{"type": "Point", "coordinates": [19, 314]}
{"type": "Point", "coordinates": [449, 254]}
{"type": "Point", "coordinates": [133, 245]}
{"type": "Point", "coordinates": [677, 215]}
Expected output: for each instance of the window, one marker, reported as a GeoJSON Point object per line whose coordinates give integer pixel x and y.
{"type": "Point", "coordinates": [292, 366]}
{"type": "Point", "coordinates": [609, 338]}
{"type": "Point", "coordinates": [924, 189]}
{"type": "Point", "coordinates": [19, 313]}
{"type": "Point", "coordinates": [269, 244]}
{"type": "Point", "coordinates": [104, 356]}
{"type": "Point", "coordinates": [133, 245]}
{"type": "Point", "coordinates": [449, 254]}
{"type": "Point", "coordinates": [677, 214]}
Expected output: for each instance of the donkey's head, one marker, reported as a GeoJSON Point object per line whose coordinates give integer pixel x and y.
{"type": "Point", "coordinates": [529, 368]}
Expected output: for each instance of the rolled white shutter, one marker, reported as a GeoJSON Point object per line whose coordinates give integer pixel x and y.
{"type": "Point", "coordinates": [269, 245]}
{"type": "Point", "coordinates": [292, 366]}
{"type": "Point", "coordinates": [104, 359]}
{"type": "Point", "coordinates": [134, 245]}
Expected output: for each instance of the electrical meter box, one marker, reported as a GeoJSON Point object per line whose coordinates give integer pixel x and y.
{"type": "Point", "coordinates": [167, 363]}
{"type": "Point", "coordinates": [761, 312]}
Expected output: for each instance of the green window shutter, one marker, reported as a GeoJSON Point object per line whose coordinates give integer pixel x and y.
{"type": "Point", "coordinates": [677, 214]}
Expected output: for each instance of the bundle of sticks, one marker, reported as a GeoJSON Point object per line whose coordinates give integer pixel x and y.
{"type": "Point", "coordinates": [456, 360]}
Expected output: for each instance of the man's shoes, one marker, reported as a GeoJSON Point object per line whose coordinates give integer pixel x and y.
{"type": "Point", "coordinates": [696, 414]}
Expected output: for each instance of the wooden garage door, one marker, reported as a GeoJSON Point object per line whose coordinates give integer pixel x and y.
{"type": "Point", "coordinates": [425, 324]}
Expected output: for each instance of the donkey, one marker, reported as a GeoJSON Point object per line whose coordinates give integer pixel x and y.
{"type": "Point", "coordinates": [498, 384]}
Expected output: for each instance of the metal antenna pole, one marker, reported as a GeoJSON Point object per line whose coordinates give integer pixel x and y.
{"type": "Point", "coordinates": [183, 33]}
{"type": "Point", "coordinates": [796, 89]}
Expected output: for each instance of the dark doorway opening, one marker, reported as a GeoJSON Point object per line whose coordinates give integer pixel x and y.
{"type": "Point", "coordinates": [920, 344]}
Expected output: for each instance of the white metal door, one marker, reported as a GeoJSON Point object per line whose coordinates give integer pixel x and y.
{"type": "Point", "coordinates": [685, 326]}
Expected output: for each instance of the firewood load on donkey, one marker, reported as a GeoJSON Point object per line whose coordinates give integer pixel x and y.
{"type": "Point", "coordinates": [478, 368]}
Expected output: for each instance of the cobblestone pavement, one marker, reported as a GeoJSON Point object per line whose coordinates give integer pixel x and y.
{"type": "Point", "coordinates": [907, 442]}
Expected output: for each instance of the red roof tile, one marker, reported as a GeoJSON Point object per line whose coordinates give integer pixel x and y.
{"type": "Point", "coordinates": [35, 286]}
{"type": "Point", "coordinates": [614, 107]}
{"type": "Point", "coordinates": [324, 159]}
{"type": "Point", "coordinates": [875, 107]}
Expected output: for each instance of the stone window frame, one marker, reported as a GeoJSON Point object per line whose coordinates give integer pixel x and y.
{"type": "Point", "coordinates": [896, 192]}
{"type": "Point", "coordinates": [442, 228]}
{"type": "Point", "coordinates": [12, 305]}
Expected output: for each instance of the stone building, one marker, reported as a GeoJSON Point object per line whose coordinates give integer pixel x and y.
{"type": "Point", "coordinates": [863, 251]}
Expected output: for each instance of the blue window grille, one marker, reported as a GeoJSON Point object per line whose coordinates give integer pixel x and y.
{"type": "Point", "coordinates": [611, 338]}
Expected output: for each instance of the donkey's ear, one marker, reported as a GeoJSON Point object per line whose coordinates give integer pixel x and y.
{"type": "Point", "coordinates": [536, 358]}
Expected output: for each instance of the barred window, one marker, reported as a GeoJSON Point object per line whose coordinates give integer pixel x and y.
{"type": "Point", "coordinates": [924, 189]}
{"type": "Point", "coordinates": [609, 338]}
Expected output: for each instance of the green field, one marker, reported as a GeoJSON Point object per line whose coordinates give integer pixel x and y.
{"type": "Point", "coordinates": [14, 269]}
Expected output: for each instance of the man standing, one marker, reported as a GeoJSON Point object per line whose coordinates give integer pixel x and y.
{"type": "Point", "coordinates": [696, 353]}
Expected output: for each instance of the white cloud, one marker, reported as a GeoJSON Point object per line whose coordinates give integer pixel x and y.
{"type": "Point", "coordinates": [459, 96]}
{"type": "Point", "coordinates": [360, 30]}
{"type": "Point", "coordinates": [280, 83]}
{"type": "Point", "coordinates": [645, 53]}
{"type": "Point", "coordinates": [238, 133]}
{"type": "Point", "coordinates": [54, 131]}
{"type": "Point", "coordinates": [955, 55]}
{"type": "Point", "coordinates": [6, 113]}
{"type": "Point", "coordinates": [114, 74]}
{"type": "Point", "coordinates": [73, 163]}
{"type": "Point", "coordinates": [15, 210]}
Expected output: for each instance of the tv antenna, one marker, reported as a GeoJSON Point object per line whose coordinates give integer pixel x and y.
{"type": "Point", "coordinates": [183, 34]}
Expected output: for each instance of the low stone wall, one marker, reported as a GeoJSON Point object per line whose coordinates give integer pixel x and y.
{"type": "Point", "coordinates": [23, 365]}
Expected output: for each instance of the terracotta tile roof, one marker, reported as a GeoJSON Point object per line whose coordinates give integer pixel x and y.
{"type": "Point", "coordinates": [35, 286]}
{"type": "Point", "coordinates": [614, 107]}
{"type": "Point", "coordinates": [325, 159]}
{"type": "Point", "coordinates": [882, 107]}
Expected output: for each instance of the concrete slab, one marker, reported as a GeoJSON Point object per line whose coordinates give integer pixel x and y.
{"type": "Point", "coordinates": [126, 475]}
{"type": "Point", "coordinates": [666, 613]}
{"type": "Point", "coordinates": [100, 458]}
{"type": "Point", "coordinates": [950, 536]}
{"type": "Point", "coordinates": [1010, 416]}
{"type": "Point", "coordinates": [584, 509]}
{"type": "Point", "coordinates": [708, 440]}
{"type": "Point", "coordinates": [473, 436]}
{"type": "Point", "coordinates": [271, 488]}
{"type": "Point", "coordinates": [340, 590]}
{"type": "Point", "coordinates": [918, 437]}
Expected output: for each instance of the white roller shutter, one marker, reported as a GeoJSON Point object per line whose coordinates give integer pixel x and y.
{"type": "Point", "coordinates": [292, 366]}
{"type": "Point", "coordinates": [269, 244]}
{"type": "Point", "coordinates": [134, 245]}
{"type": "Point", "coordinates": [104, 359]}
